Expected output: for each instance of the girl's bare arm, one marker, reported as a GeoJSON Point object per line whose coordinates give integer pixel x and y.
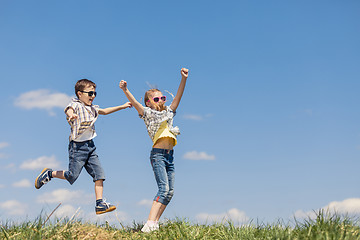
{"type": "Point", "coordinates": [184, 75]}
{"type": "Point", "coordinates": [131, 98]}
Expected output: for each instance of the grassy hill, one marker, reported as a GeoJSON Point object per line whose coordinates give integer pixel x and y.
{"type": "Point", "coordinates": [325, 226]}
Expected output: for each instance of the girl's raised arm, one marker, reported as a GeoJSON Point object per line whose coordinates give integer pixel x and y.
{"type": "Point", "coordinates": [177, 98]}
{"type": "Point", "coordinates": [131, 98]}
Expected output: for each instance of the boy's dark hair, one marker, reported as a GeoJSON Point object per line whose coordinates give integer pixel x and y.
{"type": "Point", "coordinates": [82, 84]}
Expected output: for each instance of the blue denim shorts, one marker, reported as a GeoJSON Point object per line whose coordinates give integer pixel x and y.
{"type": "Point", "coordinates": [83, 154]}
{"type": "Point", "coordinates": [162, 162]}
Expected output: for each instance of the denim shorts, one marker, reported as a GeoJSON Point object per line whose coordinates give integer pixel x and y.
{"type": "Point", "coordinates": [162, 162]}
{"type": "Point", "coordinates": [83, 154]}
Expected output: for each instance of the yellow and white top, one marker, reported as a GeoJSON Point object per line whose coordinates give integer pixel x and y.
{"type": "Point", "coordinates": [160, 124]}
{"type": "Point", "coordinates": [164, 132]}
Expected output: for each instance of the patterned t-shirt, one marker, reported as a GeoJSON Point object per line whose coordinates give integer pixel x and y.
{"type": "Point", "coordinates": [153, 120]}
{"type": "Point", "coordinates": [87, 116]}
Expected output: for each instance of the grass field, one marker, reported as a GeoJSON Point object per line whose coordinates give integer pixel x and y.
{"type": "Point", "coordinates": [324, 226]}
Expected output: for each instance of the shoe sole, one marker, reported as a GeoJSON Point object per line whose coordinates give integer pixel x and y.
{"type": "Point", "coordinates": [36, 180]}
{"type": "Point", "coordinates": [110, 209]}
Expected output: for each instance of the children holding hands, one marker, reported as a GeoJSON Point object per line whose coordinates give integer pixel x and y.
{"type": "Point", "coordinates": [158, 118]}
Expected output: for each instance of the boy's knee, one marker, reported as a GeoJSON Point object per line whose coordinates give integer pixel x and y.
{"type": "Point", "coordinates": [69, 176]}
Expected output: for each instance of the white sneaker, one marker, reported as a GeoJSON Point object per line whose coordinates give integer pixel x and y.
{"type": "Point", "coordinates": [149, 228]}
{"type": "Point", "coordinates": [156, 226]}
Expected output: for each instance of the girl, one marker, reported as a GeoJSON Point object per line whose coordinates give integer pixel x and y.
{"type": "Point", "coordinates": [158, 119]}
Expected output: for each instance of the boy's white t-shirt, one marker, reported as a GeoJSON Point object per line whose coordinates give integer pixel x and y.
{"type": "Point", "coordinates": [88, 134]}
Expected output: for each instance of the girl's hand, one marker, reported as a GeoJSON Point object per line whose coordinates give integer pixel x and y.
{"type": "Point", "coordinates": [123, 85]}
{"type": "Point", "coordinates": [185, 72]}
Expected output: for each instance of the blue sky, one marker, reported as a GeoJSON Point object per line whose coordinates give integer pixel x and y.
{"type": "Point", "coordinates": [269, 119]}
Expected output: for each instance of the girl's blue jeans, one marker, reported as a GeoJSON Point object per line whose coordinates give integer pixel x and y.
{"type": "Point", "coordinates": [162, 162]}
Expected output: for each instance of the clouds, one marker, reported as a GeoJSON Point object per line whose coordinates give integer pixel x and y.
{"type": "Point", "coordinates": [40, 163]}
{"type": "Point", "coordinates": [13, 207]}
{"type": "Point", "coordinates": [25, 183]}
{"type": "Point", "coordinates": [3, 145]}
{"type": "Point", "coordinates": [347, 206]}
{"type": "Point", "coordinates": [42, 99]}
{"type": "Point", "coordinates": [196, 117]}
{"type": "Point", "coordinates": [193, 117]}
{"type": "Point", "coordinates": [195, 155]}
{"type": "Point", "coordinates": [233, 215]}
{"type": "Point", "coordinates": [351, 205]}
{"type": "Point", "coordinates": [65, 196]}
{"type": "Point", "coordinates": [66, 210]}
{"type": "Point", "coordinates": [115, 217]}
{"type": "Point", "coordinates": [145, 202]}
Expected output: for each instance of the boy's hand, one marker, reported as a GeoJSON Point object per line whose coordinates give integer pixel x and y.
{"type": "Point", "coordinates": [123, 85]}
{"type": "Point", "coordinates": [128, 105]}
{"type": "Point", "coordinates": [185, 72]}
{"type": "Point", "coordinates": [72, 116]}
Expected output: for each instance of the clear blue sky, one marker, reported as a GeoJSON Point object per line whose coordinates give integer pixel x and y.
{"type": "Point", "coordinates": [269, 117]}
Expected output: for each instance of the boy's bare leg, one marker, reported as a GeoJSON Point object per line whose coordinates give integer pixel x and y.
{"type": "Point", "coordinates": [58, 174]}
{"type": "Point", "coordinates": [99, 188]}
{"type": "Point", "coordinates": [101, 205]}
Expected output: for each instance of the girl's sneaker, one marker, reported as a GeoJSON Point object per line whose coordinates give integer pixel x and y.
{"type": "Point", "coordinates": [104, 207]}
{"type": "Point", "coordinates": [150, 226]}
{"type": "Point", "coordinates": [43, 178]}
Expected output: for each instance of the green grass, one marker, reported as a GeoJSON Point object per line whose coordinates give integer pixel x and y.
{"type": "Point", "coordinates": [325, 226]}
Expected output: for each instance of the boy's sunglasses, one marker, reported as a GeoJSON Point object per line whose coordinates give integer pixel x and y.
{"type": "Point", "coordinates": [157, 99]}
{"type": "Point", "coordinates": [90, 93]}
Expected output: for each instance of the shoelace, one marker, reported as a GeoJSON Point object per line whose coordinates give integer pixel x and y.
{"type": "Point", "coordinates": [45, 180]}
{"type": "Point", "coordinates": [105, 203]}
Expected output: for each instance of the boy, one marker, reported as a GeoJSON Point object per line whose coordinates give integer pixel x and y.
{"type": "Point", "coordinates": [81, 115]}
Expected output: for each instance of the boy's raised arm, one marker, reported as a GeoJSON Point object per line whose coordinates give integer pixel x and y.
{"type": "Point", "coordinates": [184, 75]}
{"type": "Point", "coordinates": [109, 110]}
{"type": "Point", "coordinates": [131, 98]}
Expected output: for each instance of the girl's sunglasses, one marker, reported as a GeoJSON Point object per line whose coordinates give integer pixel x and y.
{"type": "Point", "coordinates": [157, 99]}
{"type": "Point", "coordinates": [90, 93]}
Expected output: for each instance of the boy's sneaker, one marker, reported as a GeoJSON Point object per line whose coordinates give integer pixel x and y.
{"type": "Point", "coordinates": [104, 207]}
{"type": "Point", "coordinates": [43, 178]}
